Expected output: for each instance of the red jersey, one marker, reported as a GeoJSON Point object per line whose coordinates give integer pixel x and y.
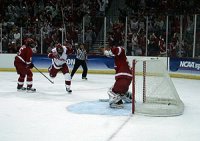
{"type": "Point", "coordinates": [122, 67]}
{"type": "Point", "coordinates": [24, 55]}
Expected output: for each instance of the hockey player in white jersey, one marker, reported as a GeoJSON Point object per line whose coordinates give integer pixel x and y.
{"type": "Point", "coordinates": [59, 56]}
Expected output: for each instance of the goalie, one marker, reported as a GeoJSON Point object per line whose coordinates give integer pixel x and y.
{"type": "Point", "coordinates": [123, 77]}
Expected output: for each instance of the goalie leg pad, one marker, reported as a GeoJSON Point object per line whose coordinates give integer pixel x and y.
{"type": "Point", "coordinates": [127, 97]}
{"type": "Point", "coordinates": [115, 100]}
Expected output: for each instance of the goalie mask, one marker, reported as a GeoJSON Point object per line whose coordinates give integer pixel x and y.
{"type": "Point", "coordinates": [59, 49]}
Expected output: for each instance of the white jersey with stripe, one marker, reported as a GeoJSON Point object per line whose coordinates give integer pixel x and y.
{"type": "Point", "coordinates": [59, 61]}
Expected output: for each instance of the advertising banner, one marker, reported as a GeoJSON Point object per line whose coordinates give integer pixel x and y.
{"type": "Point", "coordinates": [94, 62]}
{"type": "Point", "coordinates": [185, 65]}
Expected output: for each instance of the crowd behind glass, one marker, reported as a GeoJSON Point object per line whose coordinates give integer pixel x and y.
{"type": "Point", "coordinates": [81, 21]}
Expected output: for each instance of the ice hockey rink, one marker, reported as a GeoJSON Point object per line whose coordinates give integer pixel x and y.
{"type": "Point", "coordinates": [51, 114]}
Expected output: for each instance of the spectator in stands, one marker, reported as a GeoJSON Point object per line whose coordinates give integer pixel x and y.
{"type": "Point", "coordinates": [12, 48]}
{"type": "Point", "coordinates": [102, 7]}
{"type": "Point", "coordinates": [17, 35]}
{"type": "Point", "coordinates": [53, 14]}
{"type": "Point", "coordinates": [153, 48]}
{"type": "Point", "coordinates": [136, 50]}
{"type": "Point", "coordinates": [88, 38]}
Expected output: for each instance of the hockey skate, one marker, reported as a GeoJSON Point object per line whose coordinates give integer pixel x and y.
{"type": "Point", "coordinates": [84, 78]}
{"type": "Point", "coordinates": [21, 89]}
{"type": "Point", "coordinates": [127, 97]}
{"type": "Point", "coordinates": [115, 100]}
{"type": "Point", "coordinates": [68, 90]}
{"type": "Point", "coordinates": [31, 90]}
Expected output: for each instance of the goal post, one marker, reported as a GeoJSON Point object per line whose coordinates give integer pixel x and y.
{"type": "Point", "coordinates": [153, 91]}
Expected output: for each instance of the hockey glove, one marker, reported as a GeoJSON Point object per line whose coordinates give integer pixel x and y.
{"type": "Point", "coordinates": [30, 66]}
{"type": "Point", "coordinates": [54, 55]}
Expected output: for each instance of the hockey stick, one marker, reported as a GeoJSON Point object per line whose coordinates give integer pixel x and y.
{"type": "Point", "coordinates": [43, 75]}
{"type": "Point", "coordinates": [103, 100]}
{"type": "Point", "coordinates": [107, 100]}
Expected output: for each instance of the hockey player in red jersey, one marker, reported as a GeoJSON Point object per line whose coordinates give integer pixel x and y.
{"type": "Point", "coordinates": [123, 77]}
{"type": "Point", "coordinates": [23, 64]}
{"type": "Point", "coordinates": [59, 56]}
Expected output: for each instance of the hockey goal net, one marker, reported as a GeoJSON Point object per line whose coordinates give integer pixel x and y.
{"type": "Point", "coordinates": [153, 91]}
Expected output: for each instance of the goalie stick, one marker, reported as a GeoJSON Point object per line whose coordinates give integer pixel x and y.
{"type": "Point", "coordinates": [103, 100]}
{"type": "Point", "coordinates": [107, 100]}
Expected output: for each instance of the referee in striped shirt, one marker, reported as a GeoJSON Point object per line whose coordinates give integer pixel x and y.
{"type": "Point", "coordinates": [81, 57]}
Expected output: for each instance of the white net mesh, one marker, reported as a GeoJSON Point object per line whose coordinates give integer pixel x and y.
{"type": "Point", "coordinates": [155, 93]}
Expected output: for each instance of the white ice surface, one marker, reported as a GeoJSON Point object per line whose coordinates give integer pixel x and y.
{"type": "Point", "coordinates": [53, 115]}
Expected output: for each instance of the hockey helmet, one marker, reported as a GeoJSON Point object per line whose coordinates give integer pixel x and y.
{"type": "Point", "coordinates": [30, 42]}
{"type": "Point", "coordinates": [59, 49]}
